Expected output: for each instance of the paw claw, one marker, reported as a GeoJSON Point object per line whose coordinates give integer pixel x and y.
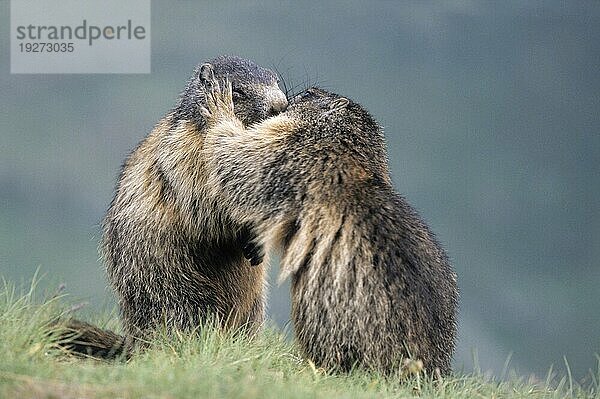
{"type": "Point", "coordinates": [219, 101]}
{"type": "Point", "coordinates": [205, 112]}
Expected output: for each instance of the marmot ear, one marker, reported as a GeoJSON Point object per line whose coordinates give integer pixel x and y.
{"type": "Point", "coordinates": [207, 73]}
{"type": "Point", "coordinates": [339, 103]}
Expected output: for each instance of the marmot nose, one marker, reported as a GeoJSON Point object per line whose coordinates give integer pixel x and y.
{"type": "Point", "coordinates": [278, 105]}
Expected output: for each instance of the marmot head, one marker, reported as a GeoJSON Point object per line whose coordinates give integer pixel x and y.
{"type": "Point", "coordinates": [256, 94]}
{"type": "Point", "coordinates": [328, 114]}
{"type": "Point", "coordinates": [341, 130]}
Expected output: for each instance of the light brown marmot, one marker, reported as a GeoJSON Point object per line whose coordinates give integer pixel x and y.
{"type": "Point", "coordinates": [172, 257]}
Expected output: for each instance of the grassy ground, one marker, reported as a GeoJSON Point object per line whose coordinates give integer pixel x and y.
{"type": "Point", "coordinates": [211, 365]}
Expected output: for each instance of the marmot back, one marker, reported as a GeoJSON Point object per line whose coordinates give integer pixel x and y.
{"type": "Point", "coordinates": [370, 284]}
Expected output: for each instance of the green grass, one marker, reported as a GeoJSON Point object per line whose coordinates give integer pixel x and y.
{"type": "Point", "coordinates": [210, 365]}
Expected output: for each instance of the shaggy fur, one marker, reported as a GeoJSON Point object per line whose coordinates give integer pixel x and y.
{"type": "Point", "coordinates": [172, 257]}
{"type": "Point", "coordinates": [370, 284]}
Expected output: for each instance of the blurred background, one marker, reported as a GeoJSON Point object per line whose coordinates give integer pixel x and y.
{"type": "Point", "coordinates": [492, 115]}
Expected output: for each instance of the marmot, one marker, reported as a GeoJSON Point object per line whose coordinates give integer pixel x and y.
{"type": "Point", "coordinates": [172, 257]}
{"type": "Point", "coordinates": [370, 283]}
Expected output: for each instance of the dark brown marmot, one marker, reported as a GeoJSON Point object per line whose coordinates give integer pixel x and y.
{"type": "Point", "coordinates": [370, 284]}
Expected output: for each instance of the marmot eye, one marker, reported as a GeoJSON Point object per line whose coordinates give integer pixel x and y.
{"type": "Point", "coordinates": [238, 93]}
{"type": "Point", "coordinates": [308, 93]}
